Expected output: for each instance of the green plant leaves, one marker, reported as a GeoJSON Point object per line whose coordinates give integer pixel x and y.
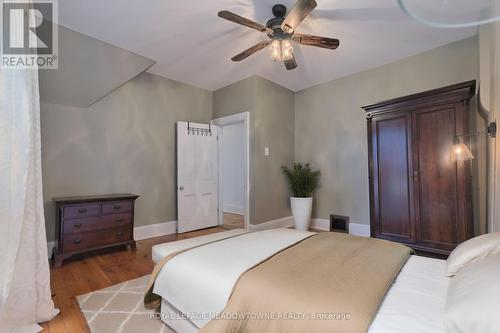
{"type": "Point", "coordinates": [303, 181]}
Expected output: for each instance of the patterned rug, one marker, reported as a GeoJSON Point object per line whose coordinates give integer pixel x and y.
{"type": "Point", "coordinates": [120, 308]}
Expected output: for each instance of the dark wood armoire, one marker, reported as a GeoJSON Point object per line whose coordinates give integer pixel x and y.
{"type": "Point", "coordinates": [418, 195]}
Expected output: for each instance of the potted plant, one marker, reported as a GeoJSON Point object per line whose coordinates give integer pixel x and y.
{"type": "Point", "coordinates": [303, 181]}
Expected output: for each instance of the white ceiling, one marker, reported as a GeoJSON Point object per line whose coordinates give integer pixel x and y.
{"type": "Point", "coordinates": [192, 45]}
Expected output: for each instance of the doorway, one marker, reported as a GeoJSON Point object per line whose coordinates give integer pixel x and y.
{"type": "Point", "coordinates": [233, 170]}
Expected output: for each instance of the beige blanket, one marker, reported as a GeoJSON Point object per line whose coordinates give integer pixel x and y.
{"type": "Point", "coordinates": [330, 282]}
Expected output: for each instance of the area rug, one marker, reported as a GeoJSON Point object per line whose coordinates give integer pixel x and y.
{"type": "Point", "coordinates": [120, 308]}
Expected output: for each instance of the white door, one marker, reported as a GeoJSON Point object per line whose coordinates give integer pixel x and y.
{"type": "Point", "coordinates": [197, 195]}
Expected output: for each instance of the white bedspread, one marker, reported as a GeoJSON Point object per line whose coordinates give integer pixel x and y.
{"type": "Point", "coordinates": [415, 302]}
{"type": "Point", "coordinates": [199, 282]}
{"type": "Point", "coordinates": [162, 250]}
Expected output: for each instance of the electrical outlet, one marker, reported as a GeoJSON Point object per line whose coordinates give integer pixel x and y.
{"type": "Point", "coordinates": [266, 151]}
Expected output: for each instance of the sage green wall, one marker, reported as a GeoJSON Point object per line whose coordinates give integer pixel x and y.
{"type": "Point", "coordinates": [271, 125]}
{"type": "Point", "coordinates": [274, 127]}
{"type": "Point", "coordinates": [236, 98]}
{"type": "Point", "coordinates": [123, 143]}
{"type": "Point", "coordinates": [330, 126]}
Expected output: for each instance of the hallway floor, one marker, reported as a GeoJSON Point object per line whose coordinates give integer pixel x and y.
{"type": "Point", "coordinates": [233, 221]}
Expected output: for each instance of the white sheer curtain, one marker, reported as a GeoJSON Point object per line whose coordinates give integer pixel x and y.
{"type": "Point", "coordinates": [25, 297]}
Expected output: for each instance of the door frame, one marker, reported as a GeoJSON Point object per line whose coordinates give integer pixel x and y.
{"type": "Point", "coordinates": [243, 117]}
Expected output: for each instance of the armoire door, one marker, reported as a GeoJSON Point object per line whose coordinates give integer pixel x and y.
{"type": "Point", "coordinates": [440, 188]}
{"type": "Point", "coordinates": [391, 174]}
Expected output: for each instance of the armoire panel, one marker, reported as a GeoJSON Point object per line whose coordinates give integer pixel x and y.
{"type": "Point", "coordinates": [393, 169]}
{"type": "Point", "coordinates": [437, 197]}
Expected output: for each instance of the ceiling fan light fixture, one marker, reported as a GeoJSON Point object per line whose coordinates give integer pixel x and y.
{"type": "Point", "coordinates": [281, 50]}
{"type": "Point", "coordinates": [275, 50]}
{"type": "Point", "coordinates": [280, 31]}
{"type": "Point", "coordinates": [287, 29]}
{"type": "Point", "coordinates": [286, 50]}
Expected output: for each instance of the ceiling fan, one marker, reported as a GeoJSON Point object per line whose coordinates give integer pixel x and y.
{"type": "Point", "coordinates": [281, 31]}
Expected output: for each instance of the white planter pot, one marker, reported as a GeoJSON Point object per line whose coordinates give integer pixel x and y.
{"type": "Point", "coordinates": [301, 211]}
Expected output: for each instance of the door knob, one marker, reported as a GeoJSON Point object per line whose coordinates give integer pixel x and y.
{"type": "Point", "coordinates": [181, 188]}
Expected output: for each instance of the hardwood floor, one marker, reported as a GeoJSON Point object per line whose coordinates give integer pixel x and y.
{"type": "Point", "coordinates": [93, 272]}
{"type": "Point", "coordinates": [233, 221]}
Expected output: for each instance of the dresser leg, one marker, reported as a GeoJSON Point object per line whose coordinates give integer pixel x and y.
{"type": "Point", "coordinates": [132, 246]}
{"type": "Point", "coordinates": [58, 260]}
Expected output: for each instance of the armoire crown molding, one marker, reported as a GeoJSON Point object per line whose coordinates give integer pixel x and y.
{"type": "Point", "coordinates": [449, 94]}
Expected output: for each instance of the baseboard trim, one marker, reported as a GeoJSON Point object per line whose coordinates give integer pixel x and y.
{"type": "Point", "coordinates": [155, 230]}
{"type": "Point", "coordinates": [358, 229]}
{"type": "Point", "coordinates": [320, 224]}
{"type": "Point", "coordinates": [283, 222]}
{"type": "Point", "coordinates": [233, 209]}
{"type": "Point", "coordinates": [355, 229]}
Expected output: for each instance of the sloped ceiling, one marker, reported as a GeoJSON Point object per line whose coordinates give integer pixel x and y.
{"type": "Point", "coordinates": [89, 69]}
{"type": "Point", "coordinates": [191, 44]}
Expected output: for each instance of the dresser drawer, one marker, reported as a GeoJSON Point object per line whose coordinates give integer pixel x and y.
{"type": "Point", "coordinates": [116, 207]}
{"type": "Point", "coordinates": [88, 240]}
{"type": "Point", "coordinates": [96, 223]}
{"type": "Point", "coordinates": [81, 211]}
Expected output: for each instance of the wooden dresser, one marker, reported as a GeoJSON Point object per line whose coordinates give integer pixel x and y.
{"type": "Point", "coordinates": [90, 223]}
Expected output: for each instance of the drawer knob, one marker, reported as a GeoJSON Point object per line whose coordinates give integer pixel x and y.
{"type": "Point", "coordinates": [78, 225]}
{"type": "Point", "coordinates": [116, 207]}
{"type": "Point", "coordinates": [82, 210]}
{"type": "Point", "coordinates": [119, 233]}
{"type": "Point", "coordinates": [77, 241]}
{"type": "Point", "coordinates": [120, 220]}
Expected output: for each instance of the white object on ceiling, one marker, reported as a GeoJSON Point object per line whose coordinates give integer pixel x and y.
{"type": "Point", "coordinates": [191, 44]}
{"type": "Point", "coordinates": [452, 13]}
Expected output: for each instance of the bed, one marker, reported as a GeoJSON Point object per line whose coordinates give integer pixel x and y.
{"type": "Point", "coordinates": [414, 302]}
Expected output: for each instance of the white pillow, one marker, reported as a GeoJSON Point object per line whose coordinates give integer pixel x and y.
{"type": "Point", "coordinates": [473, 302]}
{"type": "Point", "coordinates": [472, 250]}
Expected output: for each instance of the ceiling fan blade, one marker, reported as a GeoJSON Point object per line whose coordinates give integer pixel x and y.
{"type": "Point", "coordinates": [241, 20]}
{"type": "Point", "coordinates": [290, 64]}
{"type": "Point", "coordinates": [324, 42]}
{"type": "Point", "coordinates": [297, 14]}
{"type": "Point", "coordinates": [250, 51]}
